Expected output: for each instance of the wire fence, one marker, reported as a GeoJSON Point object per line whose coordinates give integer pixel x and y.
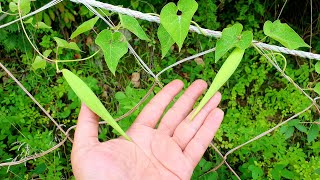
{"type": "Point", "coordinates": [265, 50]}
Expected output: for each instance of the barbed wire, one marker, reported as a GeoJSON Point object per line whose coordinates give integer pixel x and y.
{"type": "Point", "coordinates": [259, 45]}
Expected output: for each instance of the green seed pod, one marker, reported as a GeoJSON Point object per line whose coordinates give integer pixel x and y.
{"type": "Point", "coordinates": [90, 99]}
{"type": "Point", "coordinates": [227, 69]}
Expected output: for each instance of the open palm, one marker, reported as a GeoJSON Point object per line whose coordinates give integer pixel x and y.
{"type": "Point", "coordinates": [170, 151]}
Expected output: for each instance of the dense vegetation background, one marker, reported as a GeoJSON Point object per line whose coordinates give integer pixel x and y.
{"type": "Point", "coordinates": [255, 99]}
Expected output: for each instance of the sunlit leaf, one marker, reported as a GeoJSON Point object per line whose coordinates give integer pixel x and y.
{"type": "Point", "coordinates": [24, 6]}
{"type": "Point", "coordinates": [64, 44]}
{"type": "Point", "coordinates": [228, 40]}
{"type": "Point", "coordinates": [84, 27]}
{"type": "Point", "coordinates": [41, 25]}
{"type": "Point", "coordinates": [244, 40]}
{"type": "Point", "coordinates": [133, 26]}
{"type": "Point", "coordinates": [165, 39]}
{"type": "Point", "coordinates": [90, 99]}
{"type": "Point", "coordinates": [114, 46]}
{"type": "Point", "coordinates": [39, 63]}
{"type": "Point", "coordinates": [284, 34]}
{"type": "Point", "coordinates": [177, 25]}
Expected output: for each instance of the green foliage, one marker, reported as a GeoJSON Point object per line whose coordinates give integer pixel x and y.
{"type": "Point", "coordinates": [317, 88]}
{"type": "Point", "coordinates": [225, 72]}
{"type": "Point", "coordinates": [317, 67]}
{"type": "Point", "coordinates": [284, 34]}
{"type": "Point", "coordinates": [114, 46]}
{"type": "Point", "coordinates": [232, 37]}
{"type": "Point", "coordinates": [132, 25]}
{"type": "Point", "coordinates": [61, 43]}
{"type": "Point", "coordinates": [90, 99]}
{"type": "Point", "coordinates": [177, 25]}
{"type": "Point", "coordinates": [84, 27]}
{"type": "Point", "coordinates": [165, 39]}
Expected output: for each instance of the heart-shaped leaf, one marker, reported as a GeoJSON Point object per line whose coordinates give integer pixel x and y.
{"type": "Point", "coordinates": [284, 34]}
{"type": "Point", "coordinates": [114, 46]}
{"type": "Point", "coordinates": [228, 40]}
{"type": "Point", "coordinates": [166, 40]}
{"type": "Point", "coordinates": [177, 25]}
{"type": "Point", "coordinates": [64, 44]}
{"type": "Point", "coordinates": [84, 27]}
{"type": "Point", "coordinates": [133, 25]}
{"type": "Point", "coordinates": [90, 99]}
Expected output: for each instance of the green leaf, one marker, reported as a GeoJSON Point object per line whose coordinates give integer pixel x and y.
{"type": "Point", "coordinates": [46, 53]}
{"type": "Point", "coordinates": [114, 46]}
{"type": "Point", "coordinates": [317, 88]}
{"type": "Point", "coordinates": [84, 27]}
{"type": "Point", "coordinates": [284, 34]}
{"type": "Point", "coordinates": [90, 99]}
{"type": "Point", "coordinates": [287, 174]}
{"type": "Point", "coordinates": [228, 40]}
{"type": "Point", "coordinates": [29, 21]}
{"type": "Point", "coordinates": [289, 132]}
{"type": "Point", "coordinates": [133, 25]}
{"type": "Point", "coordinates": [178, 25]}
{"type": "Point", "coordinates": [47, 19]}
{"type": "Point", "coordinates": [293, 122]}
{"type": "Point", "coordinates": [317, 67]}
{"type": "Point", "coordinates": [256, 171]}
{"type": "Point", "coordinates": [39, 63]}
{"type": "Point", "coordinates": [24, 6]}
{"type": "Point", "coordinates": [165, 39]}
{"type": "Point", "coordinates": [64, 44]}
{"type": "Point", "coordinates": [313, 133]}
{"type": "Point", "coordinates": [40, 168]}
{"type": "Point", "coordinates": [301, 128]}
{"type": "Point", "coordinates": [244, 40]}
{"type": "Point", "coordinates": [13, 7]}
{"type": "Point", "coordinates": [0, 8]}
{"type": "Point", "coordinates": [41, 25]}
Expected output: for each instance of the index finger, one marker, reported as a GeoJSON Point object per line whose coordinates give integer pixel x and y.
{"type": "Point", "coordinates": [87, 128]}
{"type": "Point", "coordinates": [151, 114]}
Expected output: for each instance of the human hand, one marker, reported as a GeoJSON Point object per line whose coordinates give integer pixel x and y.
{"type": "Point", "coordinates": [171, 151]}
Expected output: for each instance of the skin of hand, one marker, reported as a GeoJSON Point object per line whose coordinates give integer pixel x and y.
{"type": "Point", "coordinates": [170, 151]}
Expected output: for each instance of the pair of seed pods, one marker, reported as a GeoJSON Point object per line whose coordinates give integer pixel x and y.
{"type": "Point", "coordinates": [91, 100]}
